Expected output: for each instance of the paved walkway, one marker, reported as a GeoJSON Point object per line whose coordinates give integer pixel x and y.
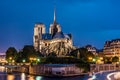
{"type": "Point", "coordinates": [103, 76]}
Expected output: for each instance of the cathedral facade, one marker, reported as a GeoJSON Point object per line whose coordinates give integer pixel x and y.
{"type": "Point", "coordinates": [53, 41]}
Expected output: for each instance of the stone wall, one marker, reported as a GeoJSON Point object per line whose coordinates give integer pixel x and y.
{"type": "Point", "coordinates": [102, 67]}
{"type": "Point", "coordinates": [54, 70]}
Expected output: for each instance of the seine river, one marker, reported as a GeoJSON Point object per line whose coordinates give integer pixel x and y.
{"type": "Point", "coordinates": [23, 76]}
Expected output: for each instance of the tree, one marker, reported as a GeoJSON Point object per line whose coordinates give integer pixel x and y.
{"type": "Point", "coordinates": [19, 56]}
{"type": "Point", "coordinates": [11, 54]}
{"type": "Point", "coordinates": [107, 60]}
{"type": "Point", "coordinates": [28, 52]}
{"type": "Point", "coordinates": [84, 54]}
{"type": "Point", "coordinates": [115, 59]}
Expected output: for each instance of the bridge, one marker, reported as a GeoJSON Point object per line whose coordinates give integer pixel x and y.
{"type": "Point", "coordinates": [15, 67]}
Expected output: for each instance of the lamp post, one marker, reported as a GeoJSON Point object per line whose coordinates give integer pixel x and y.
{"type": "Point", "coordinates": [94, 60]}
{"type": "Point", "coordinates": [38, 60]}
{"type": "Point", "coordinates": [23, 61]}
{"type": "Point", "coordinates": [10, 59]}
{"type": "Point", "coordinates": [90, 59]}
{"type": "Point", "coordinates": [31, 59]}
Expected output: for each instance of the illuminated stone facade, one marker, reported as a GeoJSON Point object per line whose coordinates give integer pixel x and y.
{"type": "Point", "coordinates": [53, 41]}
{"type": "Point", "coordinates": [2, 58]}
{"type": "Point", "coordinates": [112, 48]}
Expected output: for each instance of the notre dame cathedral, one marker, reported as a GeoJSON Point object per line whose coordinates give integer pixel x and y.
{"type": "Point", "coordinates": [53, 41]}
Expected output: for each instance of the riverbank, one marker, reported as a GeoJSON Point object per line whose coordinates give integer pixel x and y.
{"type": "Point", "coordinates": [61, 76]}
{"type": "Point", "coordinates": [59, 70]}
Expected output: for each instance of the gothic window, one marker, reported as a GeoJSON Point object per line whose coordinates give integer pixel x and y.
{"type": "Point", "coordinates": [45, 44]}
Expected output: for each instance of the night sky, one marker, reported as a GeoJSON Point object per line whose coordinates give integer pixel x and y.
{"type": "Point", "coordinates": [90, 21]}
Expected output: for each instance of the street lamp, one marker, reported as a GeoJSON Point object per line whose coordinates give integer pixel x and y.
{"type": "Point", "coordinates": [31, 59]}
{"type": "Point", "coordinates": [23, 60]}
{"type": "Point", "coordinates": [94, 60]}
{"type": "Point", "coordinates": [10, 59]}
{"type": "Point", "coordinates": [13, 61]}
{"type": "Point", "coordinates": [38, 60]}
{"type": "Point", "coordinates": [90, 58]}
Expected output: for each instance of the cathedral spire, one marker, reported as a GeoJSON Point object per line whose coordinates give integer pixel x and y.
{"type": "Point", "coordinates": [54, 15]}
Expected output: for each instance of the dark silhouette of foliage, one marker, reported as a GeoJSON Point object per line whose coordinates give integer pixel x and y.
{"type": "Point", "coordinates": [83, 54]}
{"type": "Point", "coordinates": [115, 59]}
{"type": "Point", "coordinates": [11, 53]}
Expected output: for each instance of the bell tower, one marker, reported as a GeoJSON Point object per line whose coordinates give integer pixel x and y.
{"type": "Point", "coordinates": [39, 29]}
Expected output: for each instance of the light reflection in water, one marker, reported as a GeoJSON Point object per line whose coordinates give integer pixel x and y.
{"type": "Point", "coordinates": [2, 69]}
{"type": "Point", "coordinates": [10, 77]}
{"type": "Point", "coordinates": [31, 78]}
{"type": "Point", "coordinates": [94, 77]}
{"type": "Point", "coordinates": [23, 76]}
{"type": "Point", "coordinates": [38, 78]}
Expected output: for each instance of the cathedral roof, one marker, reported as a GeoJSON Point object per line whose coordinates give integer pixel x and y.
{"type": "Point", "coordinates": [47, 36]}
{"type": "Point", "coordinates": [59, 35]}
{"type": "Point", "coordinates": [67, 36]}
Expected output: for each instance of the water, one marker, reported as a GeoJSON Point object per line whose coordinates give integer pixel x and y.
{"type": "Point", "coordinates": [23, 76]}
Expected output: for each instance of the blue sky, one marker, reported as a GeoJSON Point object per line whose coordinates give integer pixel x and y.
{"type": "Point", "coordinates": [89, 21]}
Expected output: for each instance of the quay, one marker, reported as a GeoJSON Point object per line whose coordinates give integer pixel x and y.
{"type": "Point", "coordinates": [59, 70]}
{"type": "Point", "coordinates": [55, 70]}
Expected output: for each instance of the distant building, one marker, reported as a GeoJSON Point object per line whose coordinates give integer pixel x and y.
{"type": "Point", "coordinates": [2, 57]}
{"type": "Point", "coordinates": [54, 41]}
{"type": "Point", "coordinates": [112, 48]}
{"type": "Point", "coordinates": [90, 48]}
{"type": "Point", "coordinates": [100, 53]}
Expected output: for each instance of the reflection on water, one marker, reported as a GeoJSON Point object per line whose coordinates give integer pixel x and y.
{"type": "Point", "coordinates": [31, 78]}
{"type": "Point", "coordinates": [10, 77]}
{"type": "Point", "coordinates": [18, 76]}
{"type": "Point", "coordinates": [38, 77]}
{"type": "Point", "coordinates": [23, 76]}
{"type": "Point", "coordinates": [2, 69]}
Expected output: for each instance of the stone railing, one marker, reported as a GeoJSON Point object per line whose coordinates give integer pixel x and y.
{"type": "Point", "coordinates": [104, 67]}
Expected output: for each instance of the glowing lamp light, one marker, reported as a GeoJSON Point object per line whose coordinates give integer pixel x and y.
{"type": "Point", "coordinates": [90, 58]}
{"type": "Point", "coordinates": [38, 60]}
{"type": "Point", "coordinates": [34, 58]}
{"type": "Point", "coordinates": [10, 58]}
{"type": "Point", "coordinates": [23, 60]}
{"type": "Point", "coordinates": [13, 61]}
{"type": "Point", "coordinates": [38, 78]}
{"type": "Point", "coordinates": [94, 60]}
{"type": "Point", "coordinates": [101, 58]}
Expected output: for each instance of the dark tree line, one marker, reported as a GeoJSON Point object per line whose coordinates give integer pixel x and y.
{"type": "Point", "coordinates": [28, 53]}
{"type": "Point", "coordinates": [82, 53]}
